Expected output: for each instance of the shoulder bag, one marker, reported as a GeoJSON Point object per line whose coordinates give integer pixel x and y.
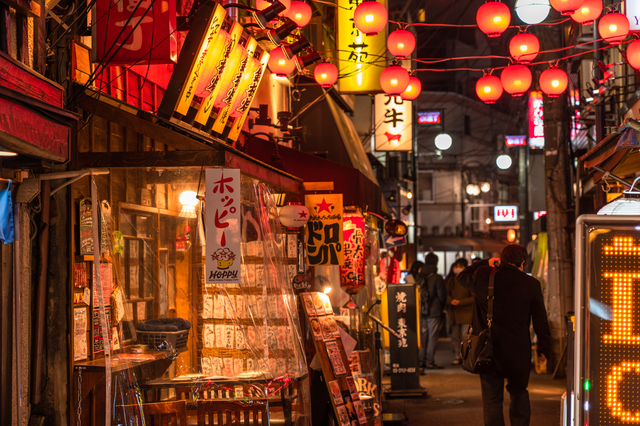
{"type": "Point", "coordinates": [477, 350]}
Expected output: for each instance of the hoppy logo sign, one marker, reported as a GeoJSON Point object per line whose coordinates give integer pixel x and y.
{"type": "Point", "coordinates": [223, 225]}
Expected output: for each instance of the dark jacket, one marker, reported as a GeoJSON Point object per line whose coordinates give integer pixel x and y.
{"type": "Point", "coordinates": [463, 312]}
{"type": "Point", "coordinates": [517, 301]}
{"type": "Point", "coordinates": [430, 278]}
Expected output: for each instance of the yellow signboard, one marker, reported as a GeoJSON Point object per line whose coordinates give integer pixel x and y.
{"type": "Point", "coordinates": [361, 58]}
{"type": "Point", "coordinates": [324, 237]}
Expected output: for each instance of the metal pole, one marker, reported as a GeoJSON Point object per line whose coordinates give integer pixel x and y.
{"type": "Point", "coordinates": [17, 277]}
{"type": "Point", "coordinates": [523, 195]}
{"type": "Point", "coordinates": [414, 165]}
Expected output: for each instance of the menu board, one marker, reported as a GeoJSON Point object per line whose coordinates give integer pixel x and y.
{"type": "Point", "coordinates": [86, 227]}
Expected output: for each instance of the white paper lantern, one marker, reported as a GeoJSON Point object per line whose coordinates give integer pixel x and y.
{"type": "Point", "coordinates": [294, 215]}
{"type": "Point", "coordinates": [626, 205]}
{"type": "Point", "coordinates": [532, 11]}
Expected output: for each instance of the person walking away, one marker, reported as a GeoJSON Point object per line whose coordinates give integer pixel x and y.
{"type": "Point", "coordinates": [517, 301]}
{"type": "Point", "coordinates": [459, 307]}
{"type": "Point", "coordinates": [433, 297]}
{"type": "Point", "coordinates": [412, 275]}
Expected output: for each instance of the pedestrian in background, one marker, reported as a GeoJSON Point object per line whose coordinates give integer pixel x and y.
{"type": "Point", "coordinates": [517, 301]}
{"type": "Point", "coordinates": [433, 297]}
{"type": "Point", "coordinates": [412, 275]}
{"type": "Point", "coordinates": [459, 307]}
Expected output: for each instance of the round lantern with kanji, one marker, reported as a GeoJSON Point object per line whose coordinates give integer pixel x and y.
{"type": "Point", "coordinates": [394, 80]}
{"type": "Point", "coordinates": [489, 89]}
{"type": "Point", "coordinates": [516, 79]}
{"type": "Point", "coordinates": [300, 13]}
{"type": "Point", "coordinates": [588, 12]}
{"type": "Point", "coordinates": [566, 7]}
{"type": "Point", "coordinates": [553, 82]}
{"type": "Point", "coordinates": [524, 47]}
{"type": "Point", "coordinates": [325, 74]}
{"type": "Point", "coordinates": [493, 18]}
{"type": "Point", "coordinates": [279, 64]}
{"type": "Point", "coordinates": [370, 17]}
{"type": "Point", "coordinates": [613, 27]}
{"type": "Point", "coordinates": [401, 43]}
{"type": "Point", "coordinates": [413, 89]}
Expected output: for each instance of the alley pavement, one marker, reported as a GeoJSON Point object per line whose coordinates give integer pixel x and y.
{"type": "Point", "coordinates": [454, 397]}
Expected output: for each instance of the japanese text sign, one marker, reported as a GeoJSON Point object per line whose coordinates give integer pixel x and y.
{"type": "Point", "coordinates": [222, 222]}
{"type": "Point", "coordinates": [132, 31]}
{"type": "Point", "coordinates": [536, 120]}
{"type": "Point", "coordinates": [352, 271]}
{"type": "Point", "coordinates": [505, 213]}
{"type": "Point", "coordinates": [429, 117]}
{"type": "Point", "coordinates": [632, 11]}
{"type": "Point", "coordinates": [324, 234]}
{"type": "Point", "coordinates": [403, 318]}
{"type": "Point", "coordinates": [393, 120]}
{"type": "Point", "coordinates": [359, 55]}
{"type": "Point", "coordinates": [511, 141]}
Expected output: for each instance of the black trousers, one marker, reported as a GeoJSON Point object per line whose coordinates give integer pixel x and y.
{"type": "Point", "coordinates": [493, 396]}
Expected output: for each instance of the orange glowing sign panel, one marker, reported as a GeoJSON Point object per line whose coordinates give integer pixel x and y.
{"type": "Point", "coordinates": [394, 123]}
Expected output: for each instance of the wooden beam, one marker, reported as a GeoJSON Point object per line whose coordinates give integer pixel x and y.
{"type": "Point", "coordinates": [264, 172]}
{"type": "Point", "coordinates": [151, 159]}
{"type": "Point", "coordinates": [125, 115]}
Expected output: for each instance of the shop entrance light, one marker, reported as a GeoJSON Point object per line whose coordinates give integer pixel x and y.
{"type": "Point", "coordinates": [532, 11]}
{"type": "Point", "coordinates": [503, 162]}
{"type": "Point", "coordinates": [189, 201]}
{"type": "Point", "coordinates": [370, 17]}
{"type": "Point", "coordinates": [493, 18]}
{"type": "Point", "coordinates": [443, 141]}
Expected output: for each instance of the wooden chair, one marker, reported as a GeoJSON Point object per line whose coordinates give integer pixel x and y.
{"type": "Point", "coordinates": [158, 413]}
{"type": "Point", "coordinates": [224, 413]}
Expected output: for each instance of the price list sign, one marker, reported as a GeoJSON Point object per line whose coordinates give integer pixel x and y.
{"type": "Point", "coordinates": [607, 343]}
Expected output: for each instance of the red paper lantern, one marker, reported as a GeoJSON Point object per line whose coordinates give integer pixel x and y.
{"type": "Point", "coordinates": [489, 89]}
{"type": "Point", "coordinates": [279, 64]}
{"type": "Point", "coordinates": [300, 13]}
{"type": "Point", "coordinates": [553, 82]}
{"type": "Point", "coordinates": [633, 54]}
{"type": "Point", "coordinates": [566, 7]}
{"type": "Point", "coordinates": [413, 89]}
{"type": "Point", "coordinates": [394, 80]}
{"type": "Point", "coordinates": [370, 17]}
{"type": "Point", "coordinates": [588, 12]}
{"type": "Point", "coordinates": [516, 79]}
{"type": "Point", "coordinates": [401, 43]}
{"type": "Point", "coordinates": [524, 47]}
{"type": "Point", "coordinates": [493, 18]}
{"type": "Point", "coordinates": [613, 27]}
{"type": "Point", "coordinates": [325, 74]}
{"type": "Point", "coordinates": [263, 4]}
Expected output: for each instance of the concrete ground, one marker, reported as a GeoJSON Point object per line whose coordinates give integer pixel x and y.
{"type": "Point", "coordinates": [454, 397]}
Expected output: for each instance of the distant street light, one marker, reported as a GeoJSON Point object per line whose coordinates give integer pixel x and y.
{"type": "Point", "coordinates": [443, 141]}
{"type": "Point", "coordinates": [485, 187]}
{"type": "Point", "coordinates": [473, 189]}
{"type": "Point", "coordinates": [488, 221]}
{"type": "Point", "coordinates": [532, 11]}
{"type": "Point", "coordinates": [503, 162]}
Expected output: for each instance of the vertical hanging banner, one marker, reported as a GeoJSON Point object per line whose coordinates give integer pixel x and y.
{"type": "Point", "coordinates": [128, 32]}
{"type": "Point", "coordinates": [394, 123]}
{"type": "Point", "coordinates": [352, 271]}
{"type": "Point", "coordinates": [358, 55]}
{"type": "Point", "coordinates": [324, 235]}
{"type": "Point", "coordinates": [223, 226]}
{"type": "Point", "coordinates": [536, 119]}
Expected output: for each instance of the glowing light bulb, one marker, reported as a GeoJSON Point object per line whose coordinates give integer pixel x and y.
{"type": "Point", "coordinates": [523, 47]}
{"type": "Point", "coordinates": [487, 89]}
{"type": "Point", "coordinates": [368, 18]}
{"type": "Point", "coordinates": [555, 83]}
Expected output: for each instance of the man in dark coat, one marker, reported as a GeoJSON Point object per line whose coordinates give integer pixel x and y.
{"type": "Point", "coordinates": [434, 294]}
{"type": "Point", "coordinates": [517, 301]}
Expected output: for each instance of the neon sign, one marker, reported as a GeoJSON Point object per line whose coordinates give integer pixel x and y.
{"type": "Point", "coordinates": [536, 119]}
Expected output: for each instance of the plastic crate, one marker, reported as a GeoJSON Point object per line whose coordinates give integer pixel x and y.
{"type": "Point", "coordinates": [154, 339]}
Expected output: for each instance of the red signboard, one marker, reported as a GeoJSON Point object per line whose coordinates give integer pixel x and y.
{"type": "Point", "coordinates": [127, 33]}
{"type": "Point", "coordinates": [519, 140]}
{"type": "Point", "coordinates": [431, 117]}
{"type": "Point", "coordinates": [536, 120]}
{"type": "Point", "coordinates": [352, 271]}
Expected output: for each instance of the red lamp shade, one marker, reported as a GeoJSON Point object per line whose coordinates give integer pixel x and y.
{"type": "Point", "coordinates": [493, 18]}
{"type": "Point", "coordinates": [394, 80]}
{"type": "Point", "coordinates": [300, 13]}
{"type": "Point", "coordinates": [263, 4]}
{"type": "Point", "coordinates": [370, 17]}
{"type": "Point", "coordinates": [633, 54]}
{"type": "Point", "coordinates": [325, 74]}
{"type": "Point", "coordinates": [413, 89]}
{"type": "Point", "coordinates": [613, 27]}
{"type": "Point", "coordinates": [489, 89]}
{"type": "Point", "coordinates": [588, 12]}
{"type": "Point", "coordinates": [401, 43]}
{"type": "Point", "coordinates": [516, 79]}
{"type": "Point", "coordinates": [566, 7]}
{"type": "Point", "coordinates": [279, 64]}
{"type": "Point", "coordinates": [524, 47]}
{"type": "Point", "coordinates": [553, 82]}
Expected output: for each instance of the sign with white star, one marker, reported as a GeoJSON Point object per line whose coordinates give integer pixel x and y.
{"type": "Point", "coordinates": [324, 233]}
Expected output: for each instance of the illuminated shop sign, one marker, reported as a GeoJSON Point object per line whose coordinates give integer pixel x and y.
{"type": "Point", "coordinates": [519, 140]}
{"type": "Point", "coordinates": [505, 213]}
{"type": "Point", "coordinates": [358, 55]}
{"type": "Point", "coordinates": [536, 119]}
{"type": "Point", "coordinates": [607, 354]}
{"type": "Point", "coordinates": [324, 234]}
{"type": "Point", "coordinates": [429, 117]}
{"type": "Point", "coordinates": [352, 271]}
{"type": "Point", "coordinates": [394, 123]}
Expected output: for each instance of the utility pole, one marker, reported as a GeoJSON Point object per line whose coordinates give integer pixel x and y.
{"type": "Point", "coordinates": [524, 215]}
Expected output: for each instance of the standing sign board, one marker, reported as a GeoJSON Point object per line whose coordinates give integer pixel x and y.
{"type": "Point", "coordinates": [222, 226]}
{"type": "Point", "coordinates": [403, 318]}
{"type": "Point", "coordinates": [606, 371]}
{"type": "Point", "coordinates": [394, 123]}
{"type": "Point", "coordinates": [324, 233]}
